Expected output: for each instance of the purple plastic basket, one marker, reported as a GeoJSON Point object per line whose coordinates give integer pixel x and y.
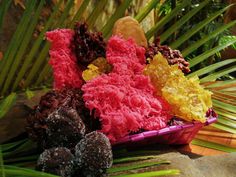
{"type": "Point", "coordinates": [176, 134]}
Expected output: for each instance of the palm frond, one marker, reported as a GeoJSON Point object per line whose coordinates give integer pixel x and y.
{"type": "Point", "coordinates": [227, 38]}
{"type": "Point", "coordinates": [206, 38]}
{"type": "Point", "coordinates": [211, 68]}
{"type": "Point", "coordinates": [42, 58]}
{"type": "Point", "coordinates": [18, 171]}
{"type": "Point", "coordinates": [153, 173]}
{"type": "Point", "coordinates": [136, 166]}
{"type": "Point", "coordinates": [27, 62]}
{"type": "Point", "coordinates": [13, 145]}
{"type": "Point", "coordinates": [20, 154]}
{"type": "Point", "coordinates": [224, 104]}
{"type": "Point", "coordinates": [23, 47]}
{"type": "Point", "coordinates": [23, 148]}
{"type": "Point", "coordinates": [219, 85]}
{"type": "Point", "coordinates": [212, 145]}
{"type": "Point", "coordinates": [133, 159]}
{"type": "Point", "coordinates": [197, 28]}
{"type": "Point", "coordinates": [61, 23]}
{"type": "Point", "coordinates": [2, 164]}
{"type": "Point", "coordinates": [4, 5]}
{"type": "Point", "coordinates": [120, 11]}
{"type": "Point", "coordinates": [15, 43]}
{"type": "Point", "coordinates": [29, 94]}
{"type": "Point", "coordinates": [6, 104]}
{"type": "Point", "coordinates": [95, 13]}
{"type": "Point", "coordinates": [146, 10]}
{"type": "Point", "coordinates": [181, 22]}
{"type": "Point", "coordinates": [80, 12]}
{"type": "Point", "coordinates": [218, 74]}
{"type": "Point", "coordinates": [224, 128]}
{"type": "Point", "coordinates": [43, 74]}
{"type": "Point", "coordinates": [226, 121]}
{"type": "Point", "coordinates": [209, 53]}
{"type": "Point", "coordinates": [166, 19]}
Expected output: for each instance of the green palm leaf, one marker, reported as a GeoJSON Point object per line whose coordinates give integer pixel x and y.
{"type": "Point", "coordinates": [136, 166]}
{"type": "Point", "coordinates": [213, 67]}
{"type": "Point", "coordinates": [95, 13]}
{"type": "Point", "coordinates": [227, 122]}
{"type": "Point", "coordinates": [17, 171]}
{"type": "Point", "coordinates": [16, 41]}
{"type": "Point", "coordinates": [153, 173]}
{"type": "Point", "coordinates": [226, 106]}
{"type": "Point", "coordinates": [80, 12]}
{"type": "Point", "coordinates": [2, 164]}
{"type": "Point", "coordinates": [9, 146]}
{"type": "Point", "coordinates": [224, 128]}
{"type": "Point", "coordinates": [146, 10]}
{"type": "Point", "coordinates": [23, 48]}
{"type": "Point", "coordinates": [166, 19]}
{"type": "Point", "coordinates": [229, 115]}
{"type": "Point", "coordinates": [62, 20]}
{"type": "Point", "coordinates": [221, 84]}
{"type": "Point", "coordinates": [213, 145]}
{"type": "Point", "coordinates": [37, 65]}
{"type": "Point", "coordinates": [6, 104]}
{"type": "Point", "coordinates": [206, 38]}
{"type": "Point", "coordinates": [42, 58]}
{"type": "Point", "coordinates": [181, 22]}
{"type": "Point", "coordinates": [43, 74]}
{"type": "Point", "coordinates": [4, 5]}
{"type": "Point", "coordinates": [132, 159]}
{"type": "Point", "coordinates": [218, 74]}
{"type": "Point", "coordinates": [120, 11]}
{"type": "Point", "coordinates": [197, 28]}
{"type": "Point", "coordinates": [209, 53]}
{"type": "Point", "coordinates": [36, 45]}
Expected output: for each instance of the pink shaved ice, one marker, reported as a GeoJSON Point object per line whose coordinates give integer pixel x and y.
{"type": "Point", "coordinates": [62, 59]}
{"type": "Point", "coordinates": [124, 99]}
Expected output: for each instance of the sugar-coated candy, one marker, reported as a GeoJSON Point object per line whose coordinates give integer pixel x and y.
{"type": "Point", "coordinates": [50, 102]}
{"type": "Point", "coordinates": [64, 128]}
{"type": "Point", "coordinates": [93, 155]}
{"type": "Point", "coordinates": [58, 161]}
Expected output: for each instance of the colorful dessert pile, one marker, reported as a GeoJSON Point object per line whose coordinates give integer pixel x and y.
{"type": "Point", "coordinates": [106, 90]}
